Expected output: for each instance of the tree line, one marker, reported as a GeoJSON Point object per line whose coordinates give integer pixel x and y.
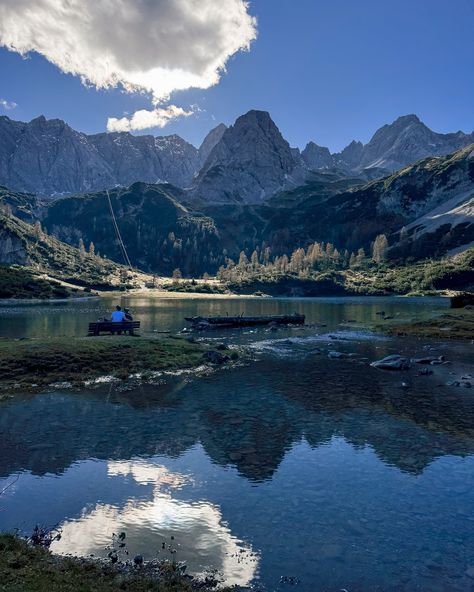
{"type": "Point", "coordinates": [316, 258]}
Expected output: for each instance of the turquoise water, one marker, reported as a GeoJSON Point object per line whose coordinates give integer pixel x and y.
{"type": "Point", "coordinates": [296, 465]}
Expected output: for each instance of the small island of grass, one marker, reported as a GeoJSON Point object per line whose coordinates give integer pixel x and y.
{"type": "Point", "coordinates": [44, 361]}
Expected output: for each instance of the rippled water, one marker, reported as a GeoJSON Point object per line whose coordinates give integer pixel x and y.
{"type": "Point", "coordinates": [297, 465]}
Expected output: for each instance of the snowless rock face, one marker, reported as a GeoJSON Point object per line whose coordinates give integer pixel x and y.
{"type": "Point", "coordinates": [212, 138]}
{"type": "Point", "coordinates": [392, 147]}
{"type": "Point", "coordinates": [317, 157]}
{"type": "Point", "coordinates": [12, 249]}
{"type": "Point", "coordinates": [251, 162]}
{"type": "Point", "coordinates": [48, 157]}
{"type": "Point", "coordinates": [407, 140]}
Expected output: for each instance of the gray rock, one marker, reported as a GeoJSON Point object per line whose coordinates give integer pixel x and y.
{"type": "Point", "coordinates": [393, 362]}
{"type": "Point", "coordinates": [428, 360]}
{"type": "Point", "coordinates": [337, 355]}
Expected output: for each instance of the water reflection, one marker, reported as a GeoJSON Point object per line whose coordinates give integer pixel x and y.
{"type": "Point", "coordinates": [247, 417]}
{"type": "Point", "coordinates": [201, 537]}
{"type": "Point", "coordinates": [297, 464]}
{"type": "Point", "coordinates": [159, 314]}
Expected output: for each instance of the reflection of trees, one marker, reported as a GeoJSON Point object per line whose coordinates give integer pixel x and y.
{"type": "Point", "coordinates": [248, 418]}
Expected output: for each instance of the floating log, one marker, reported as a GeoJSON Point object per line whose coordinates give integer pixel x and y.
{"type": "Point", "coordinates": [463, 299]}
{"type": "Point", "coordinates": [241, 321]}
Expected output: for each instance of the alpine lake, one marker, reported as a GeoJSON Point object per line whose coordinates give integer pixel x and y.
{"type": "Point", "coordinates": [293, 470]}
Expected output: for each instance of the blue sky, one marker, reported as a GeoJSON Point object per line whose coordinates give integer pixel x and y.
{"type": "Point", "coordinates": [329, 71]}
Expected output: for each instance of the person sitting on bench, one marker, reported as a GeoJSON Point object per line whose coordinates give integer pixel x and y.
{"type": "Point", "coordinates": [118, 315]}
{"type": "Point", "coordinates": [128, 314]}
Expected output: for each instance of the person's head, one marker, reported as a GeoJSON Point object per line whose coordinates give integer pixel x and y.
{"type": "Point", "coordinates": [126, 310]}
{"type": "Point", "coordinates": [118, 307]}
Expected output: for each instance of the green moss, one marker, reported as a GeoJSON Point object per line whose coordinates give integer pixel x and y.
{"type": "Point", "coordinates": [24, 568]}
{"type": "Point", "coordinates": [76, 359]}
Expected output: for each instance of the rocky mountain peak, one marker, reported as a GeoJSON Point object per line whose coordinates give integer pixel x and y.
{"type": "Point", "coordinates": [251, 161]}
{"type": "Point", "coordinates": [317, 157]}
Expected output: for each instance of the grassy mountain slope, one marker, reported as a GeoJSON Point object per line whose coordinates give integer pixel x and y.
{"type": "Point", "coordinates": [160, 233]}
{"type": "Point", "coordinates": [28, 245]}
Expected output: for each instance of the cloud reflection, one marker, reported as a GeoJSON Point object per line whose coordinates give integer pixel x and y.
{"type": "Point", "coordinates": [201, 536]}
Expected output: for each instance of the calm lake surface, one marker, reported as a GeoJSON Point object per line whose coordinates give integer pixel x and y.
{"type": "Point", "coordinates": [295, 464]}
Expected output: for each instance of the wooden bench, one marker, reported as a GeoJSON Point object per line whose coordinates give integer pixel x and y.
{"type": "Point", "coordinates": [113, 328]}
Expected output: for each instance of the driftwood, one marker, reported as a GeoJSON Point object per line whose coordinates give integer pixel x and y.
{"type": "Point", "coordinates": [241, 321]}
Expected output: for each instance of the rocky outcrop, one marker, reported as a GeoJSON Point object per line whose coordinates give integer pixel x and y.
{"type": "Point", "coordinates": [317, 157]}
{"type": "Point", "coordinates": [12, 248]}
{"type": "Point", "coordinates": [212, 138]}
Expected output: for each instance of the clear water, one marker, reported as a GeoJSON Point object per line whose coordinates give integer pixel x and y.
{"type": "Point", "coordinates": [297, 465]}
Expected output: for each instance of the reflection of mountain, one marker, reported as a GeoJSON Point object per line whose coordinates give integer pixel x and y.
{"type": "Point", "coordinates": [248, 417]}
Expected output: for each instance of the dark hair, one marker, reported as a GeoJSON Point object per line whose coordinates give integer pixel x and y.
{"type": "Point", "coordinates": [118, 307]}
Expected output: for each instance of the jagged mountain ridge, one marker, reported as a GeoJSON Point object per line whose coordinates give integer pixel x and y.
{"type": "Point", "coordinates": [392, 147]}
{"type": "Point", "coordinates": [431, 200]}
{"type": "Point", "coordinates": [48, 157]}
{"type": "Point", "coordinates": [246, 163]}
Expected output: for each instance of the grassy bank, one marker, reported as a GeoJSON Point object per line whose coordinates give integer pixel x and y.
{"type": "Point", "coordinates": [24, 568]}
{"type": "Point", "coordinates": [455, 324]}
{"type": "Point", "coordinates": [77, 359]}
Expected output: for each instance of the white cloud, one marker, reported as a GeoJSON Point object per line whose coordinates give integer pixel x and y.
{"type": "Point", "coordinates": [144, 119]}
{"type": "Point", "coordinates": [7, 104]}
{"type": "Point", "coordinates": [156, 46]}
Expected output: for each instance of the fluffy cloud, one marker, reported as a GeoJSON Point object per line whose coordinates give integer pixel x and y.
{"type": "Point", "coordinates": [144, 119]}
{"type": "Point", "coordinates": [156, 46]}
{"type": "Point", "coordinates": [4, 104]}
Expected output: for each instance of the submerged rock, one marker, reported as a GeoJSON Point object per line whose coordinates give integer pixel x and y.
{"type": "Point", "coordinates": [215, 357]}
{"type": "Point", "coordinates": [429, 360]}
{"type": "Point", "coordinates": [337, 355]}
{"type": "Point", "coordinates": [393, 362]}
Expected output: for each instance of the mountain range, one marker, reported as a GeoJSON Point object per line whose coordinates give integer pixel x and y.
{"type": "Point", "coordinates": [245, 188]}
{"type": "Point", "coordinates": [248, 162]}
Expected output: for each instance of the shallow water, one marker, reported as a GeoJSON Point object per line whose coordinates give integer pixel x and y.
{"type": "Point", "coordinates": [296, 465]}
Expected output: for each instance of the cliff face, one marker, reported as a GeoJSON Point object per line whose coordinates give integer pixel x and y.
{"type": "Point", "coordinates": [12, 248]}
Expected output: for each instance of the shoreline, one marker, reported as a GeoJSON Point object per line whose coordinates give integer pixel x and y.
{"type": "Point", "coordinates": [84, 362]}
{"type": "Point", "coordinates": [27, 566]}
